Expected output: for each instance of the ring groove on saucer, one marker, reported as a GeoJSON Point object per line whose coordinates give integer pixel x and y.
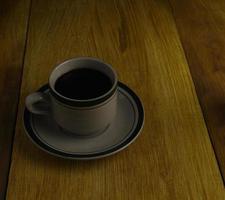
{"type": "Point", "coordinates": [105, 153]}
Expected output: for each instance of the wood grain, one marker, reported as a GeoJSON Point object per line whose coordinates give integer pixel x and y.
{"type": "Point", "coordinates": [13, 26]}
{"type": "Point", "coordinates": [173, 157]}
{"type": "Point", "coordinates": [202, 34]}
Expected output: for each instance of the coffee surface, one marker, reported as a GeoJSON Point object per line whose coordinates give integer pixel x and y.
{"type": "Point", "coordinates": [82, 84]}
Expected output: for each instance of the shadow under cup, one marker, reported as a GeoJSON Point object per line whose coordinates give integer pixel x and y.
{"type": "Point", "coordinates": [83, 95]}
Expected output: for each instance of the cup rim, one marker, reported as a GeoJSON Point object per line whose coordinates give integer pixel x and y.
{"type": "Point", "coordinates": [84, 102]}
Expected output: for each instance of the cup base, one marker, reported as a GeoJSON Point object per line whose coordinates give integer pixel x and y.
{"type": "Point", "coordinates": [87, 135]}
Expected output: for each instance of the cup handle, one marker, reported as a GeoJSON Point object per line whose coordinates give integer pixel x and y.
{"type": "Point", "coordinates": [38, 103]}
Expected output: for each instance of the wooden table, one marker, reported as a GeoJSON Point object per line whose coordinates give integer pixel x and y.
{"type": "Point", "coordinates": [172, 53]}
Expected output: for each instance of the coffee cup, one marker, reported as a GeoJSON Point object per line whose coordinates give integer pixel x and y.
{"type": "Point", "coordinates": [82, 96]}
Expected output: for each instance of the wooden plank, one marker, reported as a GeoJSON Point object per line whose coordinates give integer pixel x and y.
{"type": "Point", "coordinates": [173, 157]}
{"type": "Point", "coordinates": [203, 36]}
{"type": "Point", "coordinates": [13, 26]}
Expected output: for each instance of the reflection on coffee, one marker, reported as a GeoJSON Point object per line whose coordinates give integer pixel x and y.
{"type": "Point", "coordinates": [83, 84]}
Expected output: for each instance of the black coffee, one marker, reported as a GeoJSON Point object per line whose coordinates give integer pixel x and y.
{"type": "Point", "coordinates": [83, 84]}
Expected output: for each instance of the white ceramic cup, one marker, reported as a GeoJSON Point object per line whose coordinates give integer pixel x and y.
{"type": "Point", "coordinates": [82, 117]}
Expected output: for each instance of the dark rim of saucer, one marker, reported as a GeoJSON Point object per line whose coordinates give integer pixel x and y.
{"type": "Point", "coordinates": [42, 145]}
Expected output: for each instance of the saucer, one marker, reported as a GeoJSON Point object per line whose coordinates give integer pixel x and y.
{"type": "Point", "coordinates": [47, 135]}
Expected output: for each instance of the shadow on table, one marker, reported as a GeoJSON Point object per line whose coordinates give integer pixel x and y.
{"type": "Point", "coordinates": [36, 156]}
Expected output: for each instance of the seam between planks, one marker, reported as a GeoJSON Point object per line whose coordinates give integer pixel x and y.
{"type": "Point", "coordinates": [203, 114]}
{"type": "Point", "coordinates": [18, 98]}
